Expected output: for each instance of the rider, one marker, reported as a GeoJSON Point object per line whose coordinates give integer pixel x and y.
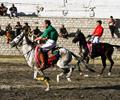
{"type": "Point", "coordinates": [50, 35]}
{"type": "Point", "coordinates": [98, 32]}
{"type": "Point", "coordinates": [95, 36]}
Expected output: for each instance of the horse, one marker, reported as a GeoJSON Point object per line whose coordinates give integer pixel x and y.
{"type": "Point", "coordinates": [28, 50]}
{"type": "Point", "coordinates": [103, 50]}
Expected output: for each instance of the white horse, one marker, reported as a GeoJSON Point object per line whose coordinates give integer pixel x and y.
{"type": "Point", "coordinates": [28, 50]}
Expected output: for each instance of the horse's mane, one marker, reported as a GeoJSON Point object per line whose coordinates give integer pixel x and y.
{"type": "Point", "coordinates": [82, 38]}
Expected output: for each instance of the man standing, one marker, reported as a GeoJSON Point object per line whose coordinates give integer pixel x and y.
{"type": "Point", "coordinates": [50, 36]}
{"type": "Point", "coordinates": [98, 32]}
{"type": "Point", "coordinates": [111, 24]}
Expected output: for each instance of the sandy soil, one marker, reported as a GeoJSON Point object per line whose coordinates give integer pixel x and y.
{"type": "Point", "coordinates": [16, 83]}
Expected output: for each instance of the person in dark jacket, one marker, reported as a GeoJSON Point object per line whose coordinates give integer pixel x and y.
{"type": "Point", "coordinates": [3, 10]}
{"type": "Point", "coordinates": [18, 29]}
{"type": "Point", "coordinates": [13, 11]}
{"type": "Point", "coordinates": [2, 32]}
{"type": "Point", "coordinates": [63, 32]}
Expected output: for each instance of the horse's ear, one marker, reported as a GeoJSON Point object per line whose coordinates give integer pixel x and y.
{"type": "Point", "coordinates": [78, 30]}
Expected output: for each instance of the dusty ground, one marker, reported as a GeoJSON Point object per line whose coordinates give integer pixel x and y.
{"type": "Point", "coordinates": [16, 83]}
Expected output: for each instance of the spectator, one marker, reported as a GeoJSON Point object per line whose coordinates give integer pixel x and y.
{"type": "Point", "coordinates": [18, 29]}
{"type": "Point", "coordinates": [26, 29]}
{"type": "Point", "coordinates": [8, 32]}
{"type": "Point", "coordinates": [3, 10]}
{"type": "Point", "coordinates": [36, 32]}
{"type": "Point", "coordinates": [1, 32]}
{"type": "Point", "coordinates": [111, 24]}
{"type": "Point", "coordinates": [63, 32]}
{"type": "Point", "coordinates": [13, 11]}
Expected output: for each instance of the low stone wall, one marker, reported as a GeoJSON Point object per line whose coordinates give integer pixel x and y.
{"type": "Point", "coordinates": [72, 24]}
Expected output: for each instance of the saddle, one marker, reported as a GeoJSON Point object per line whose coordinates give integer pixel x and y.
{"type": "Point", "coordinates": [51, 57]}
{"type": "Point", "coordinates": [95, 48]}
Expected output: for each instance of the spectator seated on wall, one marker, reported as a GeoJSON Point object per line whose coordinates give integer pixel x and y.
{"type": "Point", "coordinates": [63, 32]}
{"type": "Point", "coordinates": [27, 29]}
{"type": "Point", "coordinates": [36, 32]}
{"type": "Point", "coordinates": [3, 10]}
{"type": "Point", "coordinates": [2, 32]}
{"type": "Point", "coordinates": [13, 11]}
{"type": "Point", "coordinates": [18, 29]}
{"type": "Point", "coordinates": [8, 33]}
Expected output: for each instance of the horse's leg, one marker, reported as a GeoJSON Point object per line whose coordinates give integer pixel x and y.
{"type": "Point", "coordinates": [69, 74]}
{"type": "Point", "coordinates": [35, 72]}
{"type": "Point", "coordinates": [79, 68]}
{"type": "Point", "coordinates": [87, 59]}
{"type": "Point", "coordinates": [42, 78]}
{"type": "Point", "coordinates": [58, 76]}
{"type": "Point", "coordinates": [109, 56]}
{"type": "Point", "coordinates": [104, 63]}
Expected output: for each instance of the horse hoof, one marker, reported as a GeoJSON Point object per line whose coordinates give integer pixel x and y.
{"type": "Point", "coordinates": [98, 75]}
{"type": "Point", "coordinates": [109, 74]}
{"type": "Point", "coordinates": [69, 80]}
{"type": "Point", "coordinates": [81, 74]}
{"type": "Point", "coordinates": [47, 89]}
{"type": "Point", "coordinates": [86, 75]}
{"type": "Point", "coordinates": [58, 79]}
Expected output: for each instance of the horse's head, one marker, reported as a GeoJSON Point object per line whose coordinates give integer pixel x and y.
{"type": "Point", "coordinates": [77, 37]}
{"type": "Point", "coordinates": [17, 40]}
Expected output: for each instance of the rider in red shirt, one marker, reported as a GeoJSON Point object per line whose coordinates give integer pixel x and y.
{"type": "Point", "coordinates": [98, 32]}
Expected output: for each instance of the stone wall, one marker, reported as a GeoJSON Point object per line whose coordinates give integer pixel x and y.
{"type": "Point", "coordinates": [72, 24]}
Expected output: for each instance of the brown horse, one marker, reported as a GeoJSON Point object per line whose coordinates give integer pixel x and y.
{"type": "Point", "coordinates": [104, 50]}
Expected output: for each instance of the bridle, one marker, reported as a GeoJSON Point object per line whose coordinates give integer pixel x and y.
{"type": "Point", "coordinates": [27, 53]}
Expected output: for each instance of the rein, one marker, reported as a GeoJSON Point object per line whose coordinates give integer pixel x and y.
{"type": "Point", "coordinates": [23, 53]}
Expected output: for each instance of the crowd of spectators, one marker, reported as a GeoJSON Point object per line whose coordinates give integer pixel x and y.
{"type": "Point", "coordinates": [4, 9]}
{"type": "Point", "coordinates": [10, 32]}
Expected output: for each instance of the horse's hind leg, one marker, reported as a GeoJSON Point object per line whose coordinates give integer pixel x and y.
{"type": "Point", "coordinates": [79, 68]}
{"type": "Point", "coordinates": [104, 63]}
{"type": "Point", "coordinates": [35, 72]}
{"type": "Point", "coordinates": [69, 74]}
{"type": "Point", "coordinates": [109, 56]}
{"type": "Point", "coordinates": [58, 76]}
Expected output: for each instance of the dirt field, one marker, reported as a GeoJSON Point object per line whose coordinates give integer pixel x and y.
{"type": "Point", "coordinates": [16, 83]}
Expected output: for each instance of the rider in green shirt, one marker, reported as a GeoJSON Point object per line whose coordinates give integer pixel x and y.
{"type": "Point", "coordinates": [50, 35]}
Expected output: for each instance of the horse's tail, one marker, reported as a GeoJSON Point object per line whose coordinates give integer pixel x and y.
{"type": "Point", "coordinates": [116, 46]}
{"type": "Point", "coordinates": [80, 60]}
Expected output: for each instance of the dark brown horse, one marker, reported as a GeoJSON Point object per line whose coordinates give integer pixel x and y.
{"type": "Point", "coordinates": [104, 50]}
